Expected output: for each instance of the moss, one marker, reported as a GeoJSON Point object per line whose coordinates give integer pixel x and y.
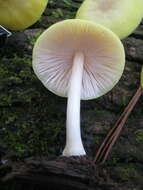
{"type": "Point", "coordinates": [58, 13]}
{"type": "Point", "coordinates": [127, 174]}
{"type": "Point", "coordinates": [139, 136]}
{"type": "Point", "coordinates": [32, 39]}
{"type": "Point", "coordinates": [26, 122]}
{"type": "Point", "coordinates": [97, 140]}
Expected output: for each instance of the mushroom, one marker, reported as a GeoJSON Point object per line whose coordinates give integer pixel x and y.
{"type": "Point", "coordinates": [122, 17]}
{"type": "Point", "coordinates": [80, 60]}
{"type": "Point", "coordinates": [20, 14]}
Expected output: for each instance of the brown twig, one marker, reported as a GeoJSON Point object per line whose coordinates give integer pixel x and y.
{"type": "Point", "coordinates": [105, 148]}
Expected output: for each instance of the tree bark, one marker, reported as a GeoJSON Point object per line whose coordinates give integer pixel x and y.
{"type": "Point", "coordinates": [72, 173]}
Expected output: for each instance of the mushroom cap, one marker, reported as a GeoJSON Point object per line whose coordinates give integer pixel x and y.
{"type": "Point", "coordinates": [120, 16]}
{"type": "Point", "coordinates": [55, 49]}
{"type": "Point", "coordinates": [20, 14]}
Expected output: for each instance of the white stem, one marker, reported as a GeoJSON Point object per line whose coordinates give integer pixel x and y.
{"type": "Point", "coordinates": [74, 146]}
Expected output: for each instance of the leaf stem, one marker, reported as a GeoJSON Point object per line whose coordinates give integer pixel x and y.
{"type": "Point", "coordinates": [105, 148]}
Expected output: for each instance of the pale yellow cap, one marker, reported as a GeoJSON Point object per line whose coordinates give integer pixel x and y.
{"type": "Point", "coordinates": [103, 63]}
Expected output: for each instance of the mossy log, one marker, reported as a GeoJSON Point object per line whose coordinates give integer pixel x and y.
{"type": "Point", "coordinates": [72, 173]}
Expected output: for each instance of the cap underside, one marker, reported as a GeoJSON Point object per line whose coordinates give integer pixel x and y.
{"type": "Point", "coordinates": [55, 49]}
